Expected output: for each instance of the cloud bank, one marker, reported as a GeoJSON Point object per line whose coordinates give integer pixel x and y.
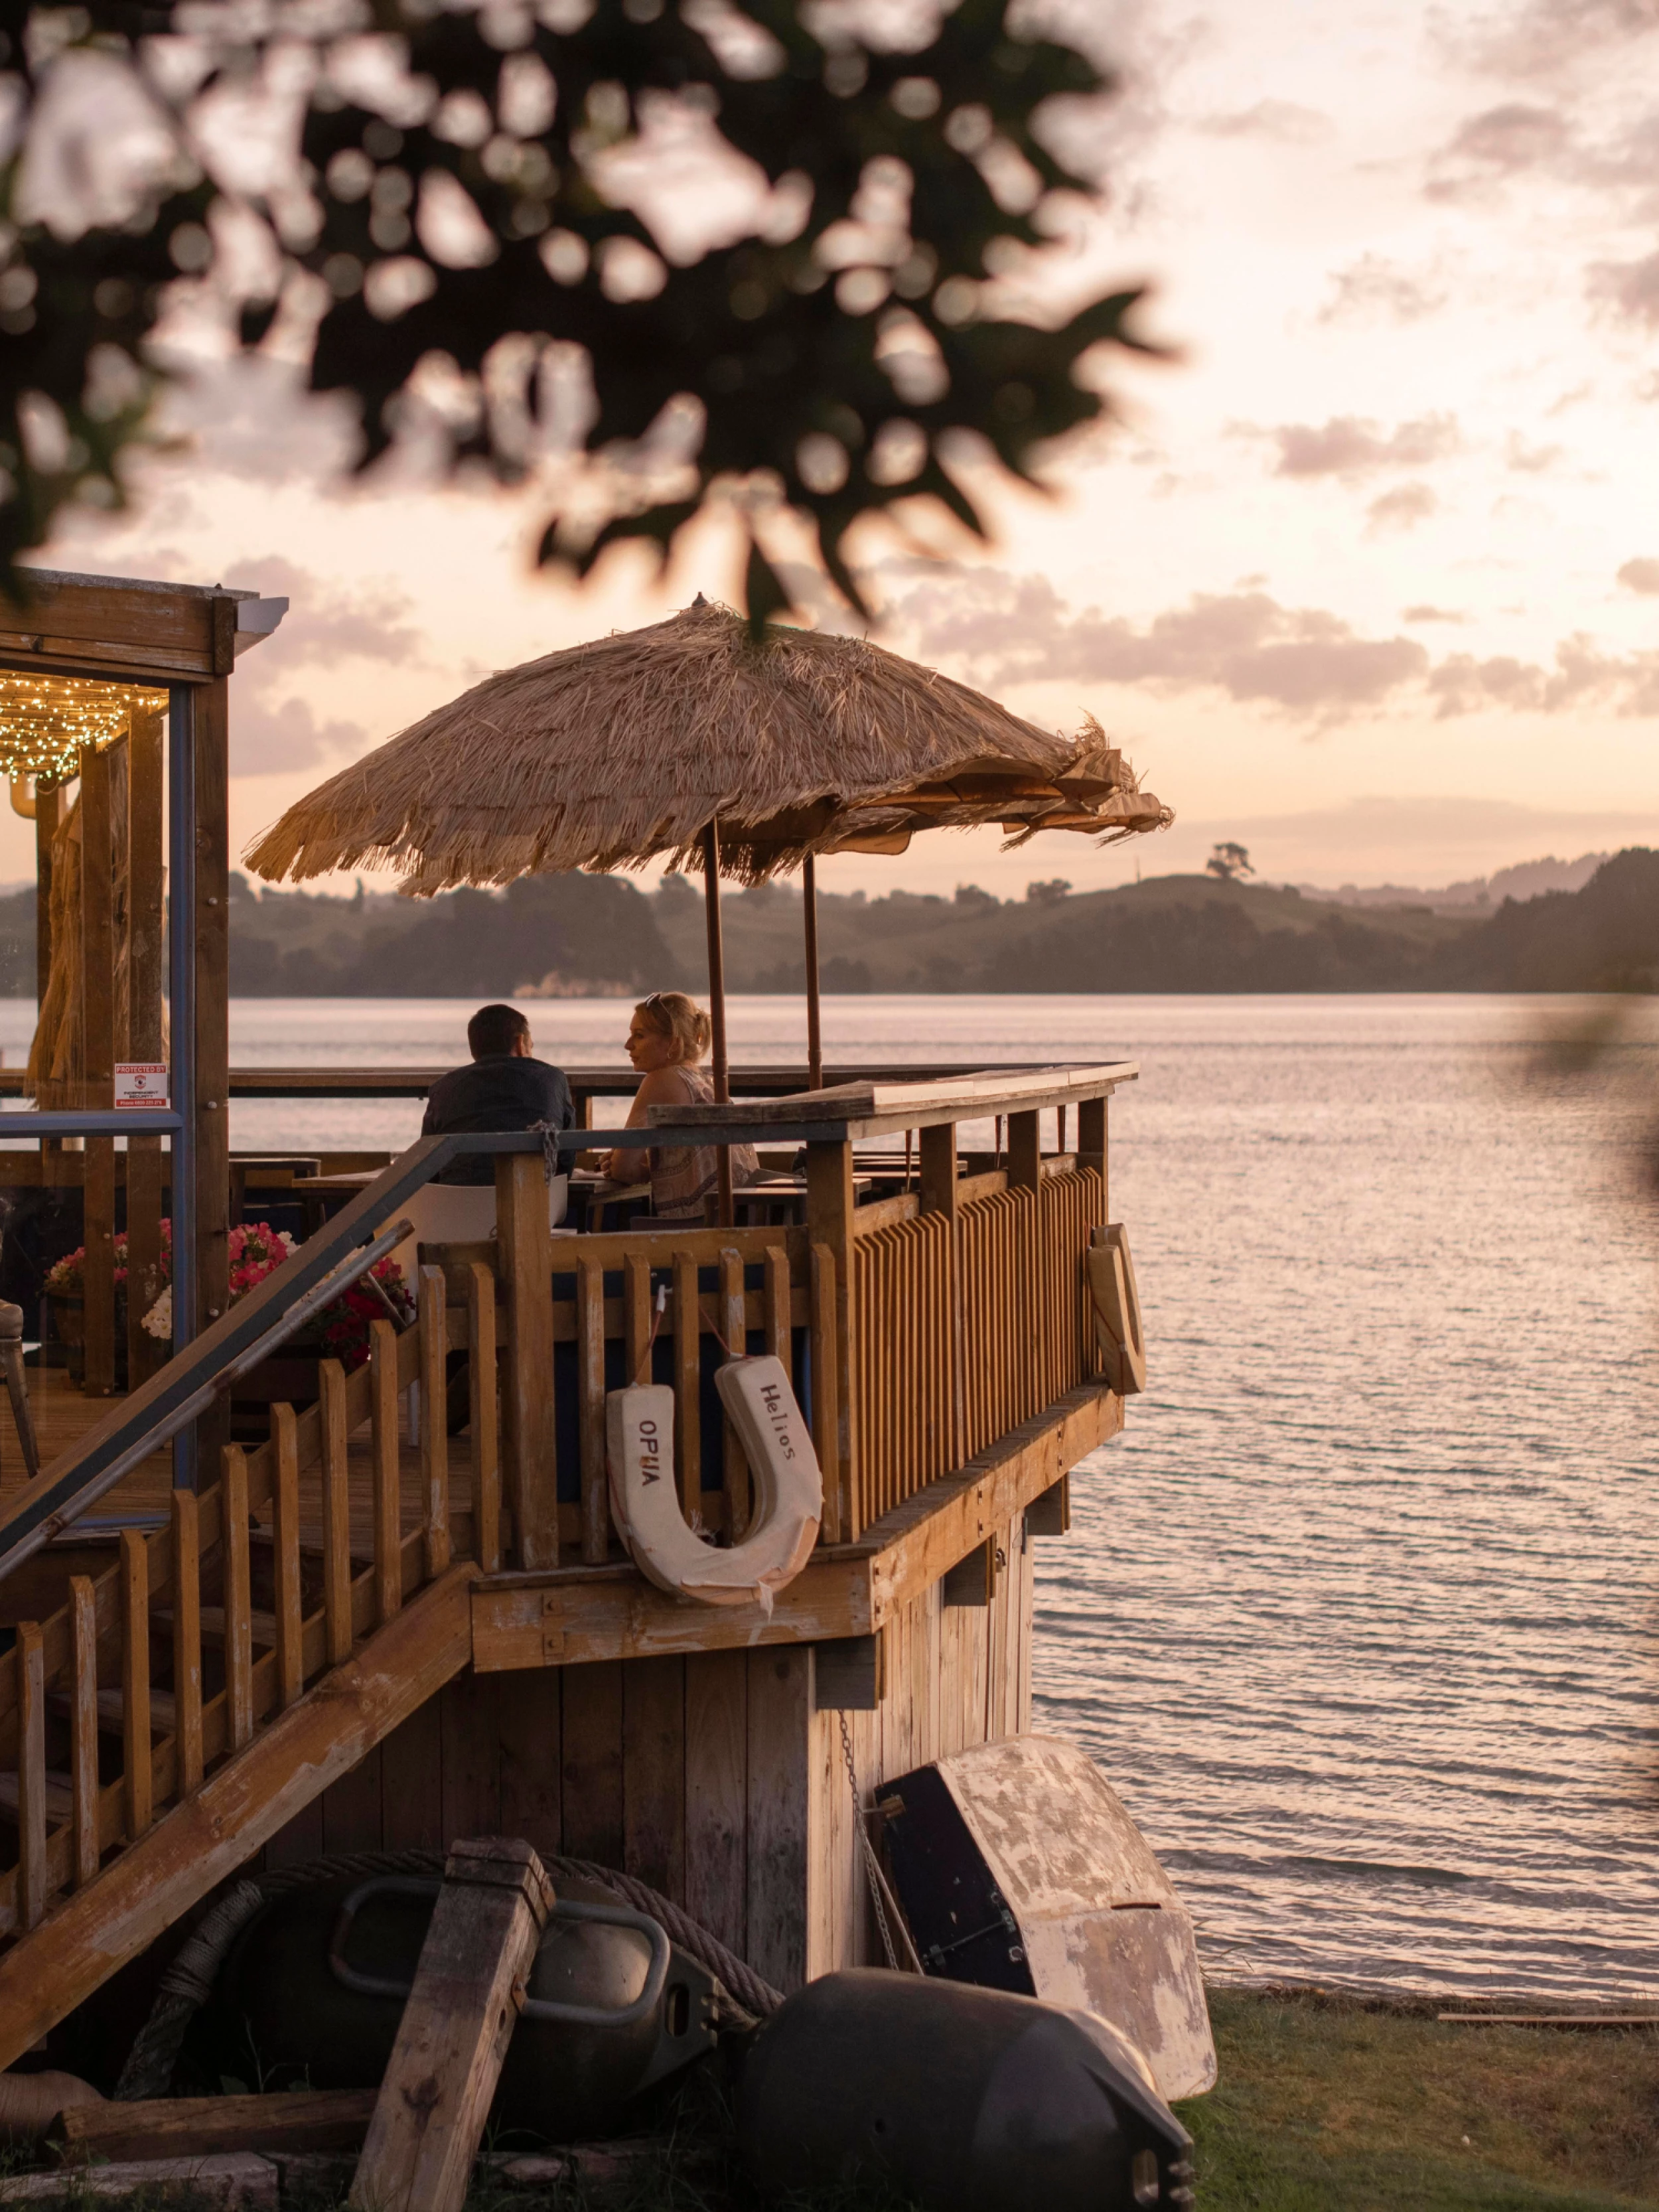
{"type": "Point", "coordinates": [1300, 663]}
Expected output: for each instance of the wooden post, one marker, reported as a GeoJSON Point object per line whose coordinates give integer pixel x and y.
{"type": "Point", "coordinates": [720, 1068]}
{"type": "Point", "coordinates": [97, 1066]}
{"type": "Point", "coordinates": [938, 1169]}
{"type": "Point", "coordinates": [826, 1386]}
{"type": "Point", "coordinates": [387, 1492]}
{"type": "Point", "coordinates": [30, 1661]}
{"type": "Point", "coordinates": [484, 1423]}
{"type": "Point", "coordinates": [212, 1031]}
{"type": "Point", "coordinates": [238, 1599]}
{"type": "Point", "coordinates": [1092, 1140]}
{"type": "Point", "coordinates": [939, 1195]}
{"type": "Point", "coordinates": [470, 1982]}
{"type": "Point", "coordinates": [146, 970]}
{"type": "Point", "coordinates": [1025, 1152]}
{"type": "Point", "coordinates": [334, 1432]}
{"type": "Point", "coordinates": [49, 812]}
{"type": "Point", "coordinates": [187, 1640]}
{"type": "Point", "coordinates": [135, 1682]}
{"type": "Point", "coordinates": [590, 1387]}
{"type": "Point", "coordinates": [734, 1465]}
{"type": "Point", "coordinates": [829, 1222]}
{"type": "Point", "coordinates": [285, 1528]}
{"type": "Point", "coordinates": [526, 1251]}
{"type": "Point", "coordinates": [83, 1726]}
{"type": "Point", "coordinates": [688, 1383]}
{"type": "Point", "coordinates": [435, 1418]}
{"type": "Point", "coordinates": [814, 1012]}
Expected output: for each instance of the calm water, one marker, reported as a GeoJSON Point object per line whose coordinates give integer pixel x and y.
{"type": "Point", "coordinates": [1359, 1616]}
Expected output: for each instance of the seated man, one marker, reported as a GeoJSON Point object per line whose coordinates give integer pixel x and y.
{"type": "Point", "coordinates": [505, 1088]}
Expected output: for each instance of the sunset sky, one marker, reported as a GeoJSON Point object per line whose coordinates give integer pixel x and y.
{"type": "Point", "coordinates": [1369, 579]}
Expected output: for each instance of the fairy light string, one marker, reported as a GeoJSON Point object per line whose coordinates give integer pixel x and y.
{"type": "Point", "coordinates": [47, 722]}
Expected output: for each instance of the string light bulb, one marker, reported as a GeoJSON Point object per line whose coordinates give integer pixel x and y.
{"type": "Point", "coordinates": [47, 721]}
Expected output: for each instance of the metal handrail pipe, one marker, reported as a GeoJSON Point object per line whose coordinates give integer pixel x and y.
{"type": "Point", "coordinates": [188, 1409]}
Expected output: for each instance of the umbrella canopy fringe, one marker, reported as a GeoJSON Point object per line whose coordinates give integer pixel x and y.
{"type": "Point", "coordinates": [619, 752]}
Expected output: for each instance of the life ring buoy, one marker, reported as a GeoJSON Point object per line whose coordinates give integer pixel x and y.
{"type": "Point", "coordinates": [1116, 1300]}
{"type": "Point", "coordinates": [788, 1488]}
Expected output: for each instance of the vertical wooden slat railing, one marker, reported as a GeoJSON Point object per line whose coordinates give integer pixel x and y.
{"type": "Point", "coordinates": [966, 1320]}
{"type": "Point", "coordinates": [172, 1728]}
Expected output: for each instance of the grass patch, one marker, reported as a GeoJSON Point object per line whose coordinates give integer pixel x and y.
{"type": "Point", "coordinates": [1324, 2103]}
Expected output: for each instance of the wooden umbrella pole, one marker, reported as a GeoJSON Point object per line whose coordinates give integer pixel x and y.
{"type": "Point", "coordinates": [721, 1068]}
{"type": "Point", "coordinates": [814, 1024]}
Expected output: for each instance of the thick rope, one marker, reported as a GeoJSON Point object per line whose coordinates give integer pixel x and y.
{"type": "Point", "coordinates": [188, 1983]}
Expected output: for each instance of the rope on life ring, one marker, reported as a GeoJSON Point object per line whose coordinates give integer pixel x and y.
{"type": "Point", "coordinates": [1116, 1302]}
{"type": "Point", "coordinates": [788, 1488]}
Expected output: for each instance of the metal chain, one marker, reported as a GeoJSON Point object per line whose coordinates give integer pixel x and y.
{"type": "Point", "coordinates": [868, 1849]}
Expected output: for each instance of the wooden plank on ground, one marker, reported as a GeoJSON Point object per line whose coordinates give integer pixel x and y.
{"type": "Point", "coordinates": [238, 1809]}
{"type": "Point", "coordinates": [196, 2127]}
{"type": "Point", "coordinates": [470, 1983]}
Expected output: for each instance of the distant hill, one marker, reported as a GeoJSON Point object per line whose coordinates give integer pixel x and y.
{"type": "Point", "coordinates": [1603, 938]}
{"type": "Point", "coordinates": [1526, 879]}
{"type": "Point", "coordinates": [548, 935]}
{"type": "Point", "coordinates": [602, 936]}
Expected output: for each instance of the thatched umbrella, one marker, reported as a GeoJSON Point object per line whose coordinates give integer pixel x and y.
{"type": "Point", "coordinates": [692, 738]}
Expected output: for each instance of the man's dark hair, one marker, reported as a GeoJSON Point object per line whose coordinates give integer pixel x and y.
{"type": "Point", "coordinates": [494, 1031]}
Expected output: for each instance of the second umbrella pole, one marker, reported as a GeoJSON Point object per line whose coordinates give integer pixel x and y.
{"type": "Point", "coordinates": [720, 1067]}
{"type": "Point", "coordinates": [814, 1027]}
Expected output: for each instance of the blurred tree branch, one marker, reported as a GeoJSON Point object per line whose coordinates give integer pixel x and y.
{"type": "Point", "coordinates": [483, 221]}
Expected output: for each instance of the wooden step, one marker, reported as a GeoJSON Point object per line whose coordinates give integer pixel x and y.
{"type": "Point", "coordinates": [60, 1799]}
{"type": "Point", "coordinates": [213, 1625]}
{"type": "Point", "coordinates": [112, 1710]}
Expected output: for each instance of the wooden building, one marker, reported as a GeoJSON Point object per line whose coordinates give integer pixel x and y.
{"type": "Point", "coordinates": [397, 1620]}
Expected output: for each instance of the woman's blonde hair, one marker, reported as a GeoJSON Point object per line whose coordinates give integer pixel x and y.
{"type": "Point", "coordinates": [673, 1015]}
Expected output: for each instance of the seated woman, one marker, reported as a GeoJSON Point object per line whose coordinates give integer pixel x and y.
{"type": "Point", "coordinates": [668, 1036]}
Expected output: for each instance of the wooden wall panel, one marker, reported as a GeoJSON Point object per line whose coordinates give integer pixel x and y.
{"type": "Point", "coordinates": [351, 1809]}
{"type": "Point", "coordinates": [654, 1773]}
{"type": "Point", "coordinates": [300, 1839]}
{"type": "Point", "coordinates": [472, 1761]}
{"type": "Point", "coordinates": [411, 1783]}
{"type": "Point", "coordinates": [716, 1793]}
{"type": "Point", "coordinates": [529, 1720]}
{"type": "Point", "coordinates": [711, 1777]}
{"type": "Point", "coordinates": [590, 1759]}
{"type": "Point", "coordinates": [779, 1719]}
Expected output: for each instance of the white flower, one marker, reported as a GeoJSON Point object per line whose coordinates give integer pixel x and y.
{"type": "Point", "coordinates": [158, 1321]}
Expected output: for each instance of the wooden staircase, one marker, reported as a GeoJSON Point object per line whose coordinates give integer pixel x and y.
{"type": "Point", "coordinates": [183, 1705]}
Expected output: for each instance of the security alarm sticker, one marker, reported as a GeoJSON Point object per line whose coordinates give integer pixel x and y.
{"type": "Point", "coordinates": [141, 1083]}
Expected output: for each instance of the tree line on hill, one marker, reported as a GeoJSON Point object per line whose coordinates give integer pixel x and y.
{"type": "Point", "coordinates": [601, 935]}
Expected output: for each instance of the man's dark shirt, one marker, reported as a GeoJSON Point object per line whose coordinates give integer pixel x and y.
{"type": "Point", "coordinates": [501, 1092]}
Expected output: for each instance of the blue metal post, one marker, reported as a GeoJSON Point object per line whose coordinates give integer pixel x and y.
{"type": "Point", "coordinates": [181, 1006]}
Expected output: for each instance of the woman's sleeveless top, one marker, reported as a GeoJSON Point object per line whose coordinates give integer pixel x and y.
{"type": "Point", "coordinates": [683, 1175]}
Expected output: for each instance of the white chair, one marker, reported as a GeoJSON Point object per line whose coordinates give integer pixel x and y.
{"type": "Point", "coordinates": [461, 1213]}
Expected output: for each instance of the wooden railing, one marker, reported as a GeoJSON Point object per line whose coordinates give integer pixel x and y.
{"type": "Point", "coordinates": [917, 1329]}
{"type": "Point", "coordinates": [965, 1325]}
{"type": "Point", "coordinates": [118, 1705]}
